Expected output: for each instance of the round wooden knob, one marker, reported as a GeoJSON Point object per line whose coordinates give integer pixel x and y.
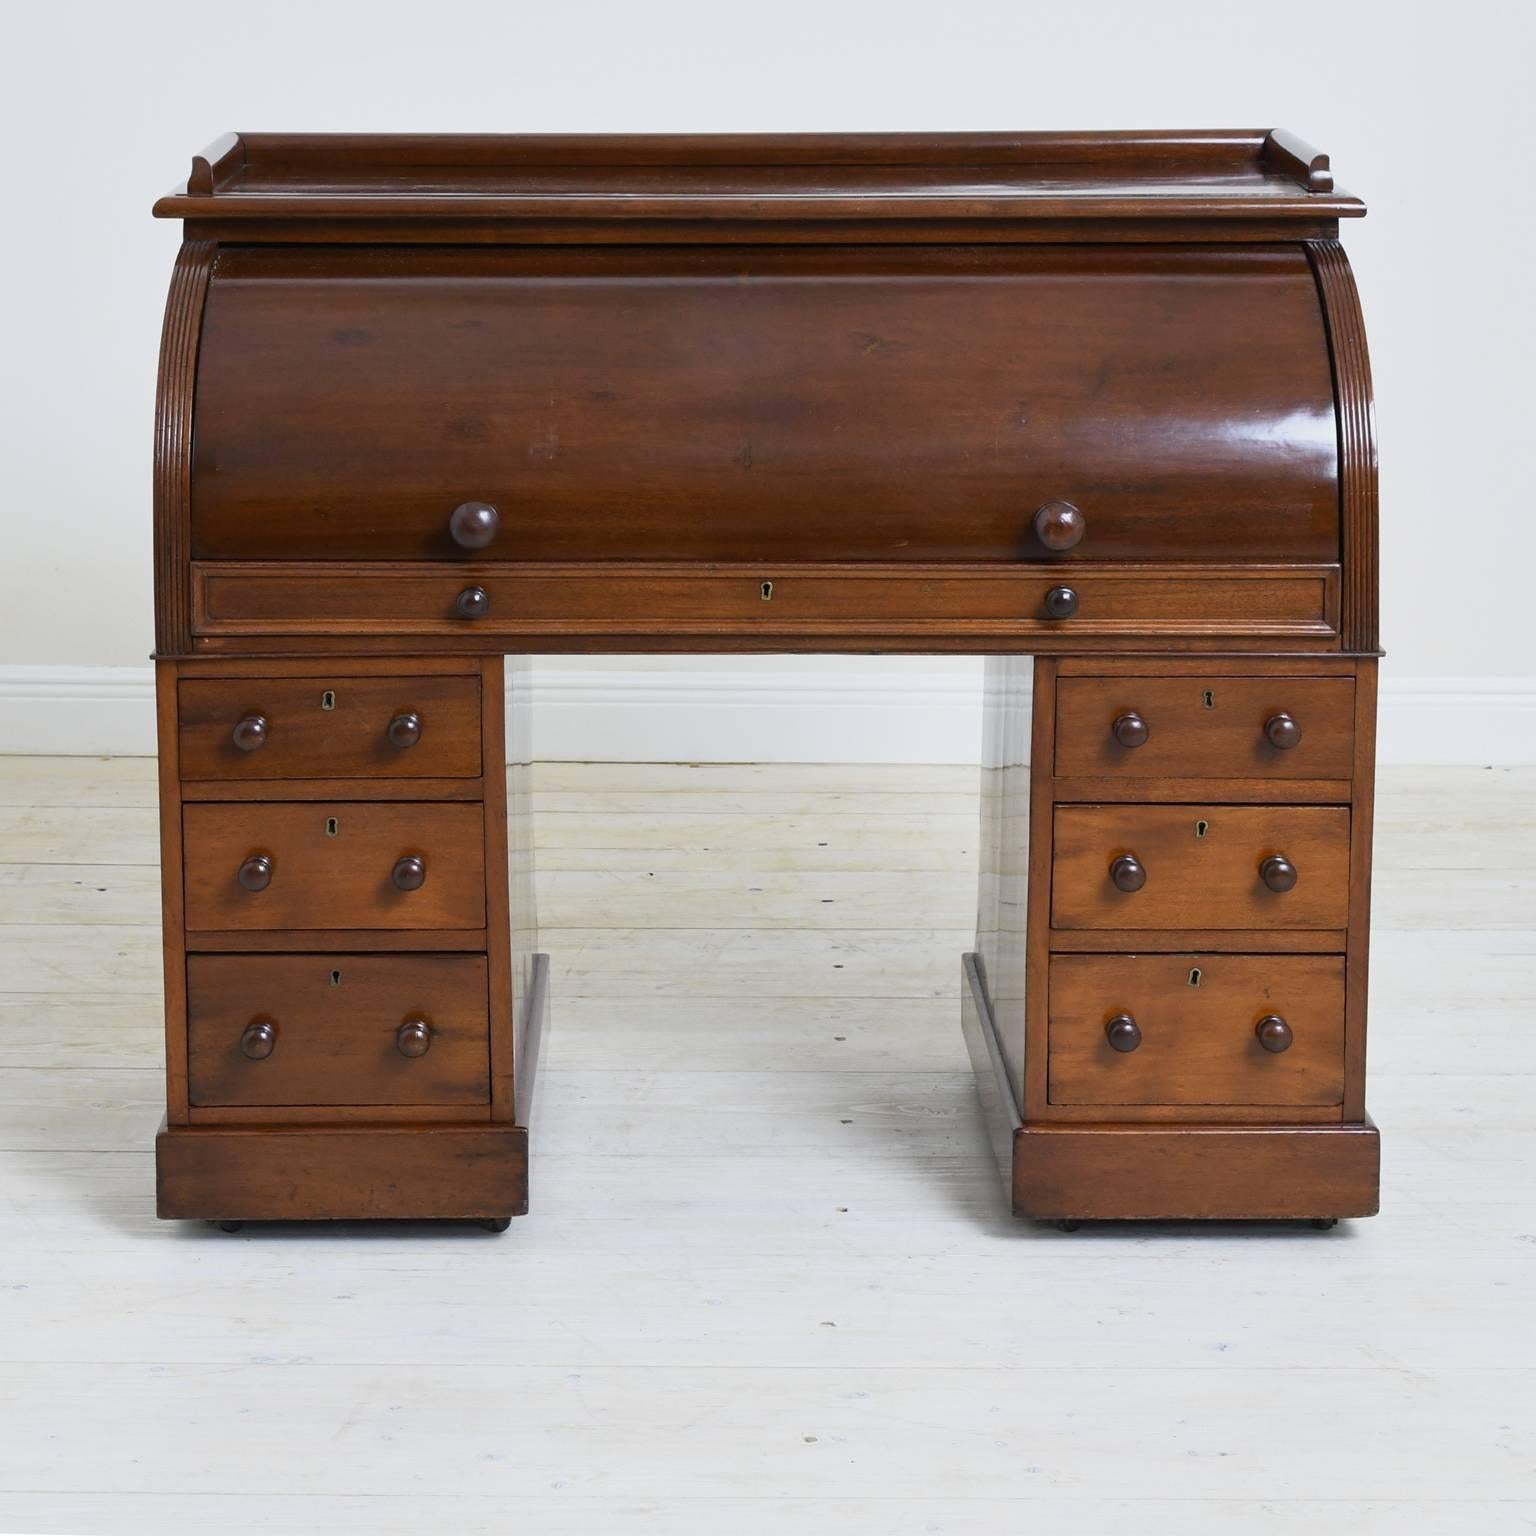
{"type": "Point", "coordinates": [1274, 1033]}
{"type": "Point", "coordinates": [250, 733]}
{"type": "Point", "coordinates": [1130, 730]}
{"type": "Point", "coordinates": [473, 524]}
{"type": "Point", "coordinates": [1278, 873]}
{"type": "Point", "coordinates": [1128, 872]}
{"type": "Point", "coordinates": [258, 1038]}
{"type": "Point", "coordinates": [256, 873]}
{"type": "Point", "coordinates": [1060, 603]}
{"type": "Point", "coordinates": [1059, 525]}
{"type": "Point", "coordinates": [404, 730]}
{"type": "Point", "coordinates": [409, 873]}
{"type": "Point", "coordinates": [414, 1038]}
{"type": "Point", "coordinates": [1123, 1033]}
{"type": "Point", "coordinates": [473, 603]}
{"type": "Point", "coordinates": [1282, 731]}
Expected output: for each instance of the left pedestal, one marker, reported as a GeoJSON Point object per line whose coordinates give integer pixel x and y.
{"type": "Point", "coordinates": [353, 1000]}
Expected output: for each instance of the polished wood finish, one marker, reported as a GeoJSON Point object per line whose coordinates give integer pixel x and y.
{"type": "Point", "coordinates": [474, 524]}
{"type": "Point", "coordinates": [808, 607]}
{"type": "Point", "coordinates": [1274, 1034]}
{"type": "Point", "coordinates": [172, 895]}
{"type": "Point", "coordinates": [1118, 1172]}
{"type": "Point", "coordinates": [1225, 183]}
{"type": "Point", "coordinates": [1228, 876]}
{"type": "Point", "coordinates": [1096, 399]}
{"type": "Point", "coordinates": [1358, 493]}
{"type": "Point", "coordinates": [179, 343]}
{"type": "Point", "coordinates": [255, 873]}
{"type": "Point", "coordinates": [1282, 732]}
{"type": "Point", "coordinates": [257, 1040]}
{"type": "Point", "coordinates": [1060, 526]}
{"type": "Point", "coordinates": [1360, 847]}
{"type": "Point", "coordinates": [1293, 155]}
{"type": "Point", "coordinates": [1207, 726]}
{"type": "Point", "coordinates": [1129, 730]}
{"type": "Point", "coordinates": [333, 864]}
{"type": "Point", "coordinates": [1109, 1169]}
{"type": "Point", "coordinates": [274, 1172]}
{"type": "Point", "coordinates": [330, 727]}
{"type": "Point", "coordinates": [1122, 1033]}
{"type": "Point", "coordinates": [249, 733]}
{"type": "Point", "coordinates": [1196, 1018]}
{"type": "Point", "coordinates": [1205, 1047]}
{"type": "Point", "coordinates": [896, 415]}
{"type": "Point", "coordinates": [345, 1029]}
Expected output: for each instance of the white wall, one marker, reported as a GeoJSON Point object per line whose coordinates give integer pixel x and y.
{"type": "Point", "coordinates": [1427, 113]}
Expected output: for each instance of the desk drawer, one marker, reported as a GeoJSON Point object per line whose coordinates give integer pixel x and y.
{"type": "Point", "coordinates": [337, 1029]}
{"type": "Point", "coordinates": [1206, 867]}
{"type": "Point", "coordinates": [769, 601]}
{"type": "Point", "coordinates": [1211, 727]}
{"type": "Point", "coordinates": [1188, 1029]}
{"type": "Point", "coordinates": [761, 403]}
{"type": "Point", "coordinates": [334, 865]}
{"type": "Point", "coordinates": [329, 727]}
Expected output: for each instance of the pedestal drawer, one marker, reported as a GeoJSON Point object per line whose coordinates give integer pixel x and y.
{"type": "Point", "coordinates": [329, 727]}
{"type": "Point", "coordinates": [334, 865]}
{"type": "Point", "coordinates": [1208, 726]}
{"type": "Point", "coordinates": [1197, 1029]}
{"type": "Point", "coordinates": [337, 1029]}
{"type": "Point", "coordinates": [1200, 866]}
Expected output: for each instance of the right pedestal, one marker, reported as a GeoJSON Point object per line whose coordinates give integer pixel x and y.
{"type": "Point", "coordinates": [1166, 1008]}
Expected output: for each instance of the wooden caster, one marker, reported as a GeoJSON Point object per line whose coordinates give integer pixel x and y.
{"type": "Point", "coordinates": [1325, 1223]}
{"type": "Point", "coordinates": [1067, 1225]}
{"type": "Point", "coordinates": [496, 1223]}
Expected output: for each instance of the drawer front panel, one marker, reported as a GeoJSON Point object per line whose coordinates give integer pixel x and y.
{"type": "Point", "coordinates": [1196, 602]}
{"type": "Point", "coordinates": [1205, 727]}
{"type": "Point", "coordinates": [1204, 879]}
{"type": "Point", "coordinates": [337, 1029]}
{"type": "Point", "coordinates": [1196, 1029]}
{"type": "Point", "coordinates": [329, 727]}
{"type": "Point", "coordinates": [757, 404]}
{"type": "Point", "coordinates": [334, 865]}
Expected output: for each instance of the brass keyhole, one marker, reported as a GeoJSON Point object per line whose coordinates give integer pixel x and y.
{"type": "Point", "coordinates": [328, 700]}
{"type": "Point", "coordinates": [1201, 828]}
{"type": "Point", "coordinates": [331, 826]}
{"type": "Point", "coordinates": [1194, 976]}
{"type": "Point", "coordinates": [335, 978]}
{"type": "Point", "coordinates": [1208, 699]}
{"type": "Point", "coordinates": [767, 590]}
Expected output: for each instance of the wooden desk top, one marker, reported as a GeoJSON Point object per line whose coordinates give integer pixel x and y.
{"type": "Point", "coordinates": [1226, 177]}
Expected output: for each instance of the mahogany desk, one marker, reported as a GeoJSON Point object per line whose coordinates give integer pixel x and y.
{"type": "Point", "coordinates": [1094, 405]}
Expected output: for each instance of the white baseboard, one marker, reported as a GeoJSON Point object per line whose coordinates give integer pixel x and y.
{"type": "Point", "coordinates": [877, 710]}
{"type": "Point", "coordinates": [78, 711]}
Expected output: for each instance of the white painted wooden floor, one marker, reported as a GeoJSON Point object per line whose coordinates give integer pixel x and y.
{"type": "Point", "coordinates": [769, 1284]}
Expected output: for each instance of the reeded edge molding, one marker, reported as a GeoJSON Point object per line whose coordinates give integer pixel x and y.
{"type": "Point", "coordinates": [1358, 495]}
{"type": "Point", "coordinates": [174, 392]}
